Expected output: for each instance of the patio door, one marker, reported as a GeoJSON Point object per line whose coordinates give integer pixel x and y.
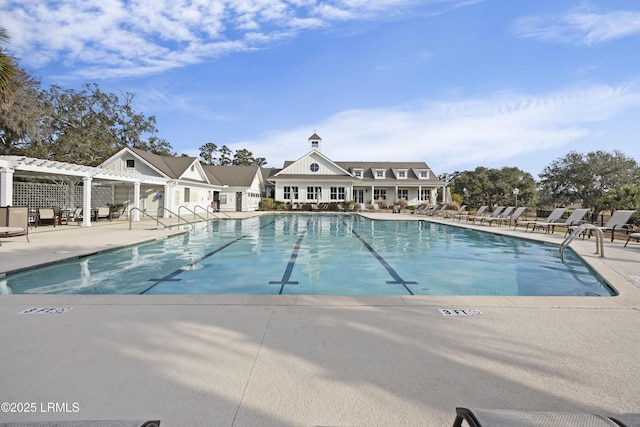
{"type": "Point", "coordinates": [239, 201]}
{"type": "Point", "coordinates": [358, 195]}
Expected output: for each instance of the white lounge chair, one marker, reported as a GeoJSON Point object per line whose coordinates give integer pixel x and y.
{"type": "Point", "coordinates": [496, 212]}
{"type": "Point", "coordinates": [457, 213]}
{"type": "Point", "coordinates": [513, 217]}
{"type": "Point", "coordinates": [504, 214]}
{"type": "Point", "coordinates": [479, 213]}
{"type": "Point", "coordinates": [573, 219]}
{"type": "Point", "coordinates": [618, 219]}
{"type": "Point", "coordinates": [554, 216]}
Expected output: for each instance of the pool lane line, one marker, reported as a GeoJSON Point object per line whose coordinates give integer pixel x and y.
{"type": "Point", "coordinates": [397, 279]}
{"type": "Point", "coordinates": [292, 262]}
{"type": "Point", "coordinates": [171, 276]}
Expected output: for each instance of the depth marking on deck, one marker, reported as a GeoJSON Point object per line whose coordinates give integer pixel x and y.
{"type": "Point", "coordinates": [292, 262]}
{"type": "Point", "coordinates": [46, 310]}
{"type": "Point", "coordinates": [460, 312]}
{"type": "Point", "coordinates": [171, 276]}
{"type": "Point", "coordinates": [397, 280]}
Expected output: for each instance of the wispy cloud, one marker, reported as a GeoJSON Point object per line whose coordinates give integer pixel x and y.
{"type": "Point", "coordinates": [583, 25]}
{"type": "Point", "coordinates": [118, 38]}
{"type": "Point", "coordinates": [452, 134]}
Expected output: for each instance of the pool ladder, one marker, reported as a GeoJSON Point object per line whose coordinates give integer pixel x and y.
{"type": "Point", "coordinates": [579, 230]}
{"type": "Point", "coordinates": [158, 222]}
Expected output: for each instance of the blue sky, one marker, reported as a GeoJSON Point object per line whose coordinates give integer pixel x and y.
{"type": "Point", "coordinates": [455, 83]}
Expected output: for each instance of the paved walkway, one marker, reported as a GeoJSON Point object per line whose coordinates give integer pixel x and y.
{"type": "Point", "coordinates": [208, 360]}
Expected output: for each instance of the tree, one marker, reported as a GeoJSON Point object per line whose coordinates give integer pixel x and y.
{"type": "Point", "coordinates": [8, 70]}
{"type": "Point", "coordinates": [490, 187]}
{"type": "Point", "coordinates": [20, 116]}
{"type": "Point", "coordinates": [207, 153]}
{"type": "Point", "coordinates": [245, 157]}
{"type": "Point", "coordinates": [19, 108]}
{"type": "Point", "coordinates": [86, 127]}
{"type": "Point", "coordinates": [225, 156]}
{"type": "Point", "coordinates": [625, 197]}
{"type": "Point", "coordinates": [587, 178]}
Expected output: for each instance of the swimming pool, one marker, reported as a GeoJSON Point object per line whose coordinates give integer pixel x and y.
{"type": "Point", "coordinates": [313, 254]}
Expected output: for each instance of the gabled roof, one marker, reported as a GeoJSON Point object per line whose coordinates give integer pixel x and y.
{"type": "Point", "coordinates": [313, 153]}
{"type": "Point", "coordinates": [172, 167]}
{"type": "Point", "coordinates": [233, 176]}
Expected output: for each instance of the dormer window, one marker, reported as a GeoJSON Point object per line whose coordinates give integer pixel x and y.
{"type": "Point", "coordinates": [315, 144]}
{"type": "Point", "coordinates": [402, 174]}
{"type": "Point", "coordinates": [379, 173]}
{"type": "Point", "coordinates": [423, 174]}
{"type": "Point", "coordinates": [357, 173]}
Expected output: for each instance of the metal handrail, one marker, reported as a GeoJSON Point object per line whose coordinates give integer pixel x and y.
{"type": "Point", "coordinates": [212, 212]}
{"type": "Point", "coordinates": [193, 212]}
{"type": "Point", "coordinates": [143, 214]}
{"type": "Point", "coordinates": [193, 224]}
{"type": "Point", "coordinates": [581, 229]}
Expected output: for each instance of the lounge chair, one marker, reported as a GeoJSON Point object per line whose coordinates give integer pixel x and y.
{"type": "Point", "coordinates": [103, 212]}
{"type": "Point", "coordinates": [554, 216]}
{"type": "Point", "coordinates": [575, 218]}
{"type": "Point", "coordinates": [425, 210]}
{"type": "Point", "coordinates": [479, 213]}
{"type": "Point", "coordinates": [439, 212]}
{"type": "Point", "coordinates": [497, 211]}
{"type": "Point", "coordinates": [77, 215]}
{"type": "Point", "coordinates": [515, 418]}
{"type": "Point", "coordinates": [14, 221]}
{"type": "Point", "coordinates": [47, 215]}
{"type": "Point", "coordinates": [503, 213]}
{"type": "Point", "coordinates": [513, 217]}
{"type": "Point", "coordinates": [457, 213]}
{"type": "Point", "coordinates": [635, 236]}
{"type": "Point", "coordinates": [619, 219]}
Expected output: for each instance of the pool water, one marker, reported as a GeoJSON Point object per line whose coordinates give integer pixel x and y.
{"type": "Point", "coordinates": [329, 254]}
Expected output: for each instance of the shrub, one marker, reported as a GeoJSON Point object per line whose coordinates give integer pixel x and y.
{"type": "Point", "coordinates": [267, 203]}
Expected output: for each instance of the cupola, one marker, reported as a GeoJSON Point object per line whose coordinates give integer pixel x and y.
{"type": "Point", "coordinates": [314, 142]}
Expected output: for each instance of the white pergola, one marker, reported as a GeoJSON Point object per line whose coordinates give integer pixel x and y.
{"type": "Point", "coordinates": [32, 167]}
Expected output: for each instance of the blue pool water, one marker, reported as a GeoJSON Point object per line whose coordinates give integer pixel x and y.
{"type": "Point", "coordinates": [321, 254]}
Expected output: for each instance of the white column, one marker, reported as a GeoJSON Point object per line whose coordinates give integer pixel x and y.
{"type": "Point", "coordinates": [167, 201]}
{"type": "Point", "coordinates": [6, 189]}
{"type": "Point", "coordinates": [444, 195]}
{"type": "Point", "coordinates": [86, 204]}
{"type": "Point", "coordinates": [136, 201]}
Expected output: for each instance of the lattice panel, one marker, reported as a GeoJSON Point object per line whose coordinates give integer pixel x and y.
{"type": "Point", "coordinates": [44, 195]}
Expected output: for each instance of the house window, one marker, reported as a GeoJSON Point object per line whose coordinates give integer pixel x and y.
{"type": "Point", "coordinates": [131, 163]}
{"type": "Point", "coordinates": [380, 194]}
{"type": "Point", "coordinates": [314, 193]}
{"type": "Point", "coordinates": [380, 174]}
{"type": "Point", "coordinates": [314, 144]}
{"type": "Point", "coordinates": [314, 167]}
{"type": "Point", "coordinates": [187, 194]}
{"type": "Point", "coordinates": [402, 174]}
{"type": "Point", "coordinates": [425, 194]}
{"type": "Point", "coordinates": [403, 193]}
{"type": "Point", "coordinates": [337, 193]}
{"type": "Point", "coordinates": [357, 173]}
{"type": "Point", "coordinates": [424, 174]}
{"type": "Point", "coordinates": [290, 193]}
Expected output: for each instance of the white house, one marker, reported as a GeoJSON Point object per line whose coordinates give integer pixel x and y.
{"type": "Point", "coordinates": [314, 178]}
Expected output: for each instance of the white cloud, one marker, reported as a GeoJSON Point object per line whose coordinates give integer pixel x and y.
{"type": "Point", "coordinates": [580, 26]}
{"type": "Point", "coordinates": [117, 38]}
{"type": "Point", "coordinates": [451, 134]}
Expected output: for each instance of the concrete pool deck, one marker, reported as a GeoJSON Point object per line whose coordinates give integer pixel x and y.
{"type": "Point", "coordinates": [208, 360]}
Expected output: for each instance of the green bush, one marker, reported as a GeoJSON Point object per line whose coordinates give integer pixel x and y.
{"type": "Point", "coordinates": [267, 203]}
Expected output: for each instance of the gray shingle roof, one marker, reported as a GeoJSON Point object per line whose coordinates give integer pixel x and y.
{"type": "Point", "coordinates": [233, 176]}
{"type": "Point", "coordinates": [173, 167]}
